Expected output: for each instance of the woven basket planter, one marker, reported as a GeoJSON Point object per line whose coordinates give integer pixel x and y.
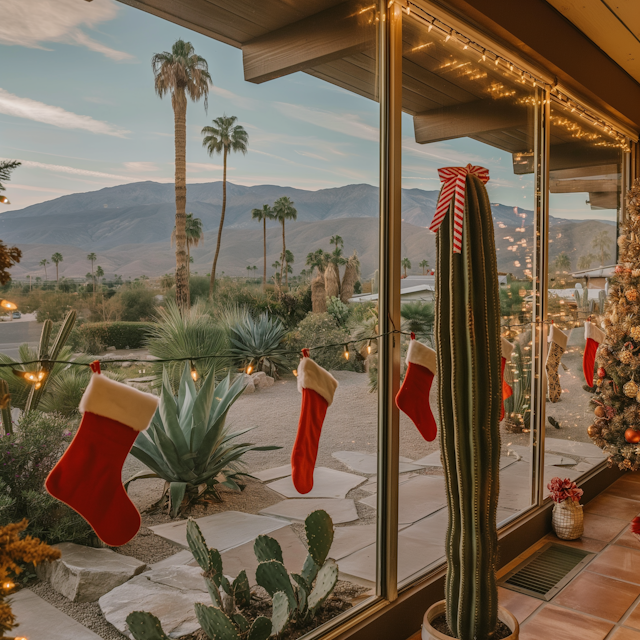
{"type": "Point", "coordinates": [567, 520]}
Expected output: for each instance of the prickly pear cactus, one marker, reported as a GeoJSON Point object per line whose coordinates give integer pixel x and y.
{"type": "Point", "coordinates": [267, 548]}
{"type": "Point", "coordinates": [215, 623]}
{"type": "Point", "coordinates": [260, 629]}
{"type": "Point", "coordinates": [319, 529]}
{"type": "Point", "coordinates": [468, 352]}
{"type": "Point", "coordinates": [273, 577]}
{"type": "Point", "coordinates": [280, 613]}
{"type": "Point", "coordinates": [325, 584]}
{"type": "Point", "coordinates": [145, 626]}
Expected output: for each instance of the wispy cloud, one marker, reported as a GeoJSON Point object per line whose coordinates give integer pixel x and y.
{"type": "Point", "coordinates": [199, 167]}
{"type": "Point", "coordinates": [18, 107]}
{"type": "Point", "coordinates": [141, 166]}
{"type": "Point", "coordinates": [345, 123]}
{"type": "Point", "coordinates": [308, 154]}
{"type": "Point", "coordinates": [33, 23]}
{"type": "Point", "coordinates": [61, 168]}
{"type": "Point", "coordinates": [234, 98]}
{"type": "Point", "coordinates": [29, 187]}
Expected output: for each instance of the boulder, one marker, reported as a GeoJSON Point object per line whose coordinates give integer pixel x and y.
{"type": "Point", "coordinates": [83, 574]}
{"type": "Point", "coordinates": [261, 380]}
{"type": "Point", "coordinates": [169, 593]}
{"type": "Point", "coordinates": [251, 387]}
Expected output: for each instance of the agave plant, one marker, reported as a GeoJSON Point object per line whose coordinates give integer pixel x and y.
{"type": "Point", "coordinates": [188, 444]}
{"type": "Point", "coordinates": [418, 317]}
{"type": "Point", "coordinates": [259, 343]}
{"type": "Point", "coordinates": [180, 335]}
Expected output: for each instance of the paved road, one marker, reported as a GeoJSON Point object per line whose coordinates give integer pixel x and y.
{"type": "Point", "coordinates": [13, 334]}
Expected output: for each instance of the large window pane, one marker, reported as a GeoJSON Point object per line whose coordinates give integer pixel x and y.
{"type": "Point", "coordinates": [584, 203]}
{"type": "Point", "coordinates": [309, 154]}
{"type": "Point", "coordinates": [462, 108]}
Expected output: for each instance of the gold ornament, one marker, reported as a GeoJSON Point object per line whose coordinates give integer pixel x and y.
{"type": "Point", "coordinates": [599, 382]}
{"type": "Point", "coordinates": [636, 273]}
{"type": "Point", "coordinates": [632, 436]}
{"type": "Point", "coordinates": [626, 357]}
{"type": "Point", "coordinates": [635, 332]}
{"type": "Point", "coordinates": [599, 411]}
{"type": "Point", "coordinates": [627, 464]}
{"type": "Point", "coordinates": [631, 294]}
{"type": "Point", "coordinates": [593, 431]}
{"type": "Point", "coordinates": [630, 389]}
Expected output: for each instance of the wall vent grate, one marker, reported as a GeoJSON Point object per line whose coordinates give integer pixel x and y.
{"type": "Point", "coordinates": [547, 571]}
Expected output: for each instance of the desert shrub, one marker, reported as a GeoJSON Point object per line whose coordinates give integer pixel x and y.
{"type": "Point", "coordinates": [319, 329]}
{"type": "Point", "coordinates": [28, 456]}
{"type": "Point", "coordinates": [54, 306]}
{"type": "Point", "coordinates": [138, 303]}
{"type": "Point", "coordinates": [195, 334]}
{"type": "Point", "coordinates": [198, 288]}
{"type": "Point", "coordinates": [338, 309]}
{"type": "Point", "coordinates": [418, 317]}
{"type": "Point", "coordinates": [94, 337]}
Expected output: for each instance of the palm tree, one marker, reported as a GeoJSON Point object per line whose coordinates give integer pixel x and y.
{"type": "Point", "coordinates": [405, 263]}
{"type": "Point", "coordinates": [283, 210]}
{"type": "Point", "coordinates": [43, 263]}
{"type": "Point", "coordinates": [262, 215]}
{"type": "Point", "coordinates": [601, 242]}
{"type": "Point", "coordinates": [584, 262]}
{"type": "Point", "coordinates": [195, 235]}
{"type": "Point", "coordinates": [278, 274]}
{"type": "Point", "coordinates": [223, 137]}
{"type": "Point", "coordinates": [287, 261]}
{"type": "Point", "coordinates": [181, 73]}
{"type": "Point", "coordinates": [57, 258]}
{"type": "Point", "coordinates": [99, 273]}
{"type": "Point", "coordinates": [563, 263]}
{"type": "Point", "coordinates": [317, 259]}
{"type": "Point", "coordinates": [425, 265]}
{"type": "Point", "coordinates": [92, 258]}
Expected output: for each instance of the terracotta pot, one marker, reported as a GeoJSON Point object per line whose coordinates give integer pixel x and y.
{"type": "Point", "coordinates": [437, 609]}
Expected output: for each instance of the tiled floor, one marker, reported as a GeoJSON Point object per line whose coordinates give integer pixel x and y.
{"type": "Point", "coordinates": [603, 600]}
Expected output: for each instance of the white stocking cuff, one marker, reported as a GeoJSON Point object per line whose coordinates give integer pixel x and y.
{"type": "Point", "coordinates": [312, 376]}
{"type": "Point", "coordinates": [119, 402]}
{"type": "Point", "coordinates": [507, 349]}
{"type": "Point", "coordinates": [592, 331]}
{"type": "Point", "coordinates": [557, 336]}
{"type": "Point", "coordinates": [419, 353]}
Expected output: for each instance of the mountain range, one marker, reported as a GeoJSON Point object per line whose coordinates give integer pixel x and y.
{"type": "Point", "coordinates": [129, 227]}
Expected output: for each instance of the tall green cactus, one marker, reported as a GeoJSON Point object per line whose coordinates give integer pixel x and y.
{"type": "Point", "coordinates": [45, 355]}
{"type": "Point", "coordinates": [468, 352]}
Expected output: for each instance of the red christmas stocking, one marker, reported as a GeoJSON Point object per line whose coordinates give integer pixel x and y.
{"type": "Point", "coordinates": [88, 477]}
{"type": "Point", "coordinates": [317, 387]}
{"type": "Point", "coordinates": [507, 391]}
{"type": "Point", "coordinates": [594, 338]}
{"type": "Point", "coordinates": [413, 397]}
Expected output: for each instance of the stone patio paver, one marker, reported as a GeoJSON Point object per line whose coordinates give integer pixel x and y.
{"type": "Point", "coordinates": [348, 540]}
{"type": "Point", "coordinates": [182, 557]}
{"type": "Point", "coordinates": [371, 486]}
{"type": "Point", "coordinates": [171, 599]}
{"type": "Point", "coordinates": [222, 531]}
{"type": "Point", "coordinates": [362, 462]}
{"type": "Point", "coordinates": [417, 498]}
{"type": "Point", "coordinates": [294, 554]}
{"type": "Point", "coordinates": [40, 620]}
{"type": "Point", "coordinates": [273, 474]}
{"type": "Point", "coordinates": [550, 459]}
{"type": "Point", "coordinates": [327, 483]}
{"type": "Point", "coordinates": [573, 447]}
{"type": "Point", "coordinates": [83, 574]}
{"type": "Point", "coordinates": [297, 509]}
{"type": "Point", "coordinates": [434, 460]}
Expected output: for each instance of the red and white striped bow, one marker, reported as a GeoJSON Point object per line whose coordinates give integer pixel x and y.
{"type": "Point", "coordinates": [454, 179]}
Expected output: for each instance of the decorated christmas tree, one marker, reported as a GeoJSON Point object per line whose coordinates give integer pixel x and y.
{"type": "Point", "coordinates": [616, 403]}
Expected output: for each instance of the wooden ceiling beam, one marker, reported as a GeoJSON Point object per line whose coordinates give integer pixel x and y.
{"type": "Point", "coordinates": [335, 33]}
{"type": "Point", "coordinates": [468, 119]}
{"type": "Point", "coordinates": [583, 186]}
{"type": "Point", "coordinates": [570, 156]}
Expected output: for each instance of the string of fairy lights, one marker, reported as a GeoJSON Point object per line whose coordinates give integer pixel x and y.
{"type": "Point", "coordinates": [524, 76]}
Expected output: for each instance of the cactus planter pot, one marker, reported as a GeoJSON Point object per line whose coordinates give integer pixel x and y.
{"type": "Point", "coordinates": [439, 608]}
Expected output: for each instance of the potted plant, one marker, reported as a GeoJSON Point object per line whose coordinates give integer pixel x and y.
{"type": "Point", "coordinates": [467, 336]}
{"type": "Point", "coordinates": [567, 519]}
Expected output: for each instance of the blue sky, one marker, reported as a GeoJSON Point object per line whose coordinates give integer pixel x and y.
{"type": "Point", "coordinates": [77, 107]}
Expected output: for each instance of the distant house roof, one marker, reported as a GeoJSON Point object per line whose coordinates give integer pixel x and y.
{"type": "Point", "coordinates": [598, 272]}
{"type": "Point", "coordinates": [405, 291]}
